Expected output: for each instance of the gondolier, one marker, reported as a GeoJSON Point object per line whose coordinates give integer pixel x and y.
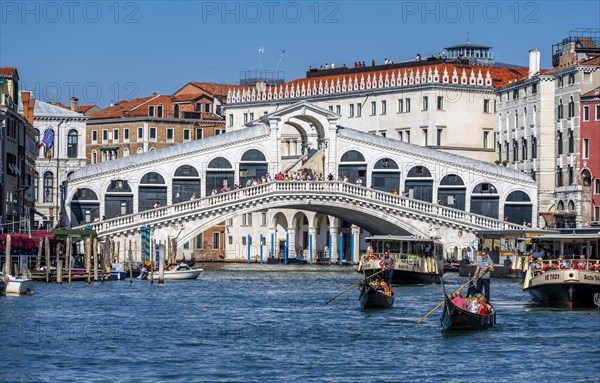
{"type": "Point", "coordinates": [484, 266]}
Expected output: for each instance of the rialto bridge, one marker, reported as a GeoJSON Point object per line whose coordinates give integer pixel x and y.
{"type": "Point", "coordinates": [404, 189]}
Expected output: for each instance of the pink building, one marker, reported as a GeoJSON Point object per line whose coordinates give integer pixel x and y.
{"type": "Point", "coordinates": [590, 152]}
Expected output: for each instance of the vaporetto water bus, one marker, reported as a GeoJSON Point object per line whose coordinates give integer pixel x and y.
{"type": "Point", "coordinates": [416, 260]}
{"type": "Point", "coordinates": [564, 270]}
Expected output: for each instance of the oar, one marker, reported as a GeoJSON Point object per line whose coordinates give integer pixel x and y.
{"type": "Point", "coordinates": [354, 284]}
{"type": "Point", "coordinates": [442, 302]}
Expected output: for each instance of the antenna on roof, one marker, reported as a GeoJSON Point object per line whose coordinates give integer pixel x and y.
{"type": "Point", "coordinates": [280, 58]}
{"type": "Point", "coordinates": [261, 51]}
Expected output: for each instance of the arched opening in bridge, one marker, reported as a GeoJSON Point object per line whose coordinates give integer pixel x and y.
{"type": "Point", "coordinates": [219, 175]}
{"type": "Point", "coordinates": [279, 231]}
{"type": "Point", "coordinates": [302, 136]}
{"type": "Point", "coordinates": [253, 165]}
{"type": "Point", "coordinates": [186, 183]}
{"type": "Point", "coordinates": [85, 207]}
{"type": "Point", "coordinates": [353, 166]}
{"type": "Point", "coordinates": [485, 200]}
{"type": "Point", "coordinates": [452, 192]}
{"type": "Point", "coordinates": [419, 184]}
{"type": "Point", "coordinates": [300, 240]}
{"type": "Point", "coordinates": [118, 199]}
{"type": "Point", "coordinates": [152, 190]}
{"type": "Point", "coordinates": [385, 175]}
{"type": "Point", "coordinates": [518, 208]}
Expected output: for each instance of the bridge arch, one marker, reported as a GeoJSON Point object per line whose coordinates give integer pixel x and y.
{"type": "Point", "coordinates": [452, 191]}
{"type": "Point", "coordinates": [419, 184]}
{"type": "Point", "coordinates": [185, 183]}
{"type": "Point", "coordinates": [385, 175]}
{"type": "Point", "coordinates": [85, 206]}
{"type": "Point", "coordinates": [220, 175]}
{"type": "Point", "coordinates": [118, 199]}
{"type": "Point", "coordinates": [485, 200]}
{"type": "Point", "coordinates": [352, 164]}
{"type": "Point", "coordinates": [518, 207]}
{"type": "Point", "coordinates": [253, 165]}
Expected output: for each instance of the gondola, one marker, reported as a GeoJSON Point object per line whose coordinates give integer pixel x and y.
{"type": "Point", "coordinates": [454, 318]}
{"type": "Point", "coordinates": [370, 297]}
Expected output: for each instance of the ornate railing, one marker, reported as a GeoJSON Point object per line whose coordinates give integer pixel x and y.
{"type": "Point", "coordinates": [264, 193]}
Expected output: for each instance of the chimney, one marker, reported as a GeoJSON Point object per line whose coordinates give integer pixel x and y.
{"type": "Point", "coordinates": [153, 94]}
{"type": "Point", "coordinates": [74, 105]}
{"type": "Point", "coordinates": [534, 62]}
{"type": "Point", "coordinates": [28, 105]}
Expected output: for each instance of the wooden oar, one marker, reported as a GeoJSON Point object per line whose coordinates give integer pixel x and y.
{"type": "Point", "coordinates": [354, 284]}
{"type": "Point", "coordinates": [460, 288]}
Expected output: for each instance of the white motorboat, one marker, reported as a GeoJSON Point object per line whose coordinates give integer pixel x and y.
{"type": "Point", "coordinates": [182, 271]}
{"type": "Point", "coordinates": [17, 285]}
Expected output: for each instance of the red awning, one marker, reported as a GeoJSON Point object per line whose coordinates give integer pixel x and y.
{"type": "Point", "coordinates": [26, 242]}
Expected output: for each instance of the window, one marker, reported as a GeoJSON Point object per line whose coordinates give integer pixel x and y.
{"type": "Point", "coordinates": [199, 241]}
{"type": "Point", "coordinates": [104, 136]}
{"type": "Point", "coordinates": [159, 111]}
{"type": "Point", "coordinates": [151, 111]}
{"type": "Point", "coordinates": [115, 135]}
{"type": "Point", "coordinates": [331, 108]}
{"type": "Point", "coordinates": [170, 134]}
{"type": "Point", "coordinates": [94, 136]}
{"type": "Point", "coordinates": [373, 108]}
{"type": "Point", "coordinates": [559, 143]}
{"type": "Point", "coordinates": [351, 110]}
{"type": "Point", "coordinates": [571, 175]}
{"type": "Point", "coordinates": [586, 113]}
{"type": "Point", "coordinates": [586, 148]}
{"type": "Point", "coordinates": [35, 186]}
{"type": "Point", "coordinates": [358, 110]}
{"type": "Point", "coordinates": [571, 78]}
{"type": "Point", "coordinates": [486, 136]}
{"type": "Point", "coordinates": [571, 109]}
{"type": "Point", "coordinates": [186, 134]}
{"type": "Point", "coordinates": [245, 118]}
{"type": "Point", "coordinates": [125, 152]}
{"type": "Point", "coordinates": [560, 82]}
{"type": "Point", "coordinates": [597, 186]}
{"type": "Point", "coordinates": [559, 110]}
{"type": "Point", "coordinates": [338, 109]}
{"type": "Point", "coordinates": [263, 219]}
{"type": "Point", "coordinates": [571, 142]}
{"type": "Point", "coordinates": [523, 149]}
{"type": "Point", "coordinates": [534, 89]}
{"type": "Point", "coordinates": [486, 106]}
{"type": "Point", "coordinates": [140, 135]}
{"type": "Point", "coordinates": [440, 103]}
{"type": "Point", "coordinates": [515, 94]}
{"type": "Point", "coordinates": [404, 135]}
{"type": "Point", "coordinates": [400, 105]}
{"type": "Point", "coordinates": [533, 147]}
{"type": "Point", "coordinates": [251, 116]}
{"type": "Point", "coordinates": [407, 105]}
{"type": "Point", "coordinates": [199, 133]}
{"type": "Point", "coordinates": [94, 157]}
{"type": "Point", "coordinates": [219, 131]}
{"type": "Point", "coordinates": [507, 150]}
{"type": "Point", "coordinates": [72, 144]}
{"type": "Point", "coordinates": [216, 239]}
{"type": "Point", "coordinates": [230, 240]}
{"type": "Point", "coordinates": [230, 119]}
{"type": "Point", "coordinates": [48, 185]}
{"type": "Point", "coordinates": [247, 219]}
{"type": "Point", "coordinates": [153, 134]}
{"type": "Point", "coordinates": [383, 107]}
{"type": "Point", "coordinates": [596, 213]}
{"type": "Point", "coordinates": [126, 134]}
{"type": "Point", "coordinates": [176, 110]}
{"type": "Point", "coordinates": [559, 176]}
{"type": "Point", "coordinates": [140, 150]}
{"type": "Point", "coordinates": [243, 241]}
{"type": "Point", "coordinates": [424, 136]}
{"type": "Point", "coordinates": [499, 151]}
{"type": "Point", "coordinates": [439, 137]}
{"type": "Point", "coordinates": [207, 109]}
{"type": "Point", "coordinates": [425, 105]}
{"type": "Point", "coordinates": [597, 113]}
{"type": "Point", "coordinates": [515, 151]}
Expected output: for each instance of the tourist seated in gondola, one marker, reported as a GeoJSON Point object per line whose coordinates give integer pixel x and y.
{"type": "Point", "coordinates": [484, 307]}
{"type": "Point", "coordinates": [459, 301]}
{"type": "Point", "coordinates": [563, 263]}
{"type": "Point", "coordinates": [474, 305]}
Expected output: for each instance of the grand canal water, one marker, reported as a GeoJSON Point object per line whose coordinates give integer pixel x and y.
{"type": "Point", "coordinates": [241, 323]}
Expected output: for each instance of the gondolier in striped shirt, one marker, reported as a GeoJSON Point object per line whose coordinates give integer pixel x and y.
{"type": "Point", "coordinates": [484, 266]}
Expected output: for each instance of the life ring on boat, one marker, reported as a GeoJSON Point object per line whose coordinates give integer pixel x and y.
{"type": "Point", "coordinates": [594, 267]}
{"type": "Point", "coordinates": [382, 263]}
{"type": "Point", "coordinates": [550, 266]}
{"type": "Point", "coordinates": [371, 257]}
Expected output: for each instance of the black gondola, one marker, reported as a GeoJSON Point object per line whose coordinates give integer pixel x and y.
{"type": "Point", "coordinates": [455, 318]}
{"type": "Point", "coordinates": [370, 297]}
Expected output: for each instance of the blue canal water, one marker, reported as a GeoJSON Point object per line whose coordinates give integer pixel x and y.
{"type": "Point", "coordinates": [240, 323]}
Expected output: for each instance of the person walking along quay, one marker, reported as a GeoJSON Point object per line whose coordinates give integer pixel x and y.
{"type": "Point", "coordinates": [484, 267]}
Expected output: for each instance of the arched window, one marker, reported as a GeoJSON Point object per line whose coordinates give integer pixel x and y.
{"type": "Point", "coordinates": [140, 150]}
{"type": "Point", "coordinates": [252, 166]}
{"type": "Point", "coordinates": [559, 109]}
{"type": "Point", "coordinates": [518, 208]}
{"type": "Point", "coordinates": [485, 200]}
{"type": "Point", "coordinates": [219, 175]}
{"type": "Point", "coordinates": [186, 183]}
{"type": "Point", "coordinates": [125, 152]}
{"type": "Point", "coordinates": [352, 156]}
{"type": "Point", "coordinates": [72, 144]}
{"type": "Point", "coordinates": [571, 107]}
{"type": "Point", "coordinates": [418, 184]}
{"type": "Point", "coordinates": [353, 166]}
{"type": "Point", "coordinates": [48, 186]}
{"type": "Point", "coordinates": [571, 205]}
{"type": "Point", "coordinates": [94, 156]}
{"type": "Point", "coordinates": [586, 177]}
{"type": "Point", "coordinates": [452, 192]}
{"type": "Point", "coordinates": [152, 189]}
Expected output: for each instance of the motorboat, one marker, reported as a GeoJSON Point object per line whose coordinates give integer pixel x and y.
{"type": "Point", "coordinates": [182, 271]}
{"type": "Point", "coordinates": [17, 285]}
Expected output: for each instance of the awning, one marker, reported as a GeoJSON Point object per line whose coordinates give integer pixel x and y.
{"type": "Point", "coordinates": [40, 214]}
{"type": "Point", "coordinates": [64, 233]}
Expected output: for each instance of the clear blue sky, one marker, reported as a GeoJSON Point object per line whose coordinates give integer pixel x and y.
{"type": "Point", "coordinates": [108, 51]}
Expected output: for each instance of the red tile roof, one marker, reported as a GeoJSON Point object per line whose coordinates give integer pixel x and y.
{"type": "Point", "coordinates": [80, 108]}
{"type": "Point", "coordinates": [121, 108]}
{"type": "Point", "coordinates": [592, 93]}
{"type": "Point", "coordinates": [7, 72]}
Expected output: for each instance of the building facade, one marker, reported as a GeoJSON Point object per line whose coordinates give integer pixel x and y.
{"type": "Point", "coordinates": [18, 152]}
{"type": "Point", "coordinates": [590, 155]}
